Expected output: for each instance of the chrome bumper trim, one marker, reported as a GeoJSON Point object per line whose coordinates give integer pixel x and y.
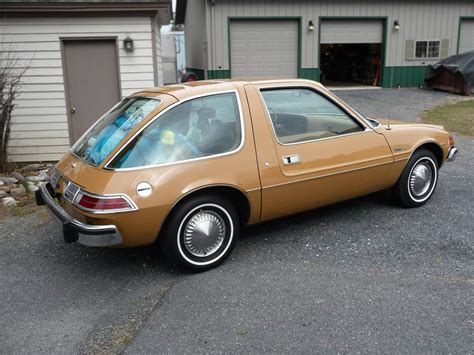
{"type": "Point", "coordinates": [86, 234]}
{"type": "Point", "coordinates": [452, 154]}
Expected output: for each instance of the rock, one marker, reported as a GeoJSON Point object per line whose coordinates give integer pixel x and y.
{"type": "Point", "coordinates": [8, 180]}
{"type": "Point", "coordinates": [18, 192]}
{"type": "Point", "coordinates": [9, 202]}
{"type": "Point", "coordinates": [32, 167]}
{"type": "Point", "coordinates": [36, 167]}
{"type": "Point", "coordinates": [3, 194]}
{"type": "Point", "coordinates": [31, 187]}
{"type": "Point", "coordinates": [17, 176]}
{"type": "Point", "coordinates": [5, 188]}
{"type": "Point", "coordinates": [42, 176]}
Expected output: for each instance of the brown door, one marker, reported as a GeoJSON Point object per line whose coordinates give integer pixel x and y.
{"type": "Point", "coordinates": [91, 80]}
{"type": "Point", "coordinates": [310, 151]}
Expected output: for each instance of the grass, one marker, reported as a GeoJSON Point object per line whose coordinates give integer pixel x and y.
{"type": "Point", "coordinates": [458, 117]}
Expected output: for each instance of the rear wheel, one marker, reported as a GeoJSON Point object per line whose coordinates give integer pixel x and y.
{"type": "Point", "coordinates": [418, 180]}
{"type": "Point", "coordinates": [200, 233]}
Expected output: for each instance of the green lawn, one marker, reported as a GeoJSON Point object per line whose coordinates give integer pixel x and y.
{"type": "Point", "coordinates": [458, 117]}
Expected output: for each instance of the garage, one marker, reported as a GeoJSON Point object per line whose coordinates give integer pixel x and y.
{"type": "Point", "coordinates": [466, 35]}
{"type": "Point", "coordinates": [261, 48]}
{"type": "Point", "coordinates": [351, 52]}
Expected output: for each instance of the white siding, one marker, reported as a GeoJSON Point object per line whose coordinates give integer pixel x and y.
{"type": "Point", "coordinates": [466, 36]}
{"type": "Point", "coordinates": [436, 19]}
{"type": "Point", "coordinates": [40, 126]}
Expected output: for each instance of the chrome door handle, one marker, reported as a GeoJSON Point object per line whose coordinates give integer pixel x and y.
{"type": "Point", "coordinates": [291, 159]}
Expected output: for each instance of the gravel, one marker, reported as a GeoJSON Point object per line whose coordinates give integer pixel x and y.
{"type": "Point", "coordinates": [359, 276]}
{"type": "Point", "coordinates": [405, 104]}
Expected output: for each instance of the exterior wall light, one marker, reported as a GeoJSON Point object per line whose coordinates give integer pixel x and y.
{"type": "Point", "coordinates": [396, 25]}
{"type": "Point", "coordinates": [128, 44]}
{"type": "Point", "coordinates": [310, 25]}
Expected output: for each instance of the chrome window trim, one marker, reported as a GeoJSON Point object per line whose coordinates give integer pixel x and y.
{"type": "Point", "coordinates": [71, 150]}
{"type": "Point", "coordinates": [365, 124]}
{"type": "Point", "coordinates": [374, 120]}
{"type": "Point", "coordinates": [242, 138]}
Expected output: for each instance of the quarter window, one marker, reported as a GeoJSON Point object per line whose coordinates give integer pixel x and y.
{"type": "Point", "coordinates": [109, 132]}
{"type": "Point", "coordinates": [300, 115]}
{"type": "Point", "coordinates": [197, 128]}
{"type": "Point", "coordinates": [427, 49]}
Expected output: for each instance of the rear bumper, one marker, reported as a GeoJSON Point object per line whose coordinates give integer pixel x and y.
{"type": "Point", "coordinates": [74, 230]}
{"type": "Point", "coordinates": [452, 154]}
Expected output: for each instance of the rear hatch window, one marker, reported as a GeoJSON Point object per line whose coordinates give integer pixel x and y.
{"type": "Point", "coordinates": [112, 128]}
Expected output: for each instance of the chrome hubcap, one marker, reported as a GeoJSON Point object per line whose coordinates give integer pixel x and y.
{"type": "Point", "coordinates": [420, 179]}
{"type": "Point", "coordinates": [204, 233]}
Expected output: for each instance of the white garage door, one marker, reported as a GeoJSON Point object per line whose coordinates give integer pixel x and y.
{"type": "Point", "coordinates": [351, 31]}
{"type": "Point", "coordinates": [264, 48]}
{"type": "Point", "coordinates": [466, 36]}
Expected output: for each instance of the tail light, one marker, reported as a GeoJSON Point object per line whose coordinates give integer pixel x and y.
{"type": "Point", "coordinates": [95, 203]}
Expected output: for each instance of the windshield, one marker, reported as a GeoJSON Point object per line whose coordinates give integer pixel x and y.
{"type": "Point", "coordinates": [104, 137]}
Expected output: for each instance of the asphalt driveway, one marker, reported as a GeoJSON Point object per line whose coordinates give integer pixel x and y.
{"type": "Point", "coordinates": [360, 276]}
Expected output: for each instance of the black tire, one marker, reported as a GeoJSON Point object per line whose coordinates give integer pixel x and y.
{"type": "Point", "coordinates": [191, 216]}
{"type": "Point", "coordinates": [189, 76]}
{"type": "Point", "coordinates": [412, 188]}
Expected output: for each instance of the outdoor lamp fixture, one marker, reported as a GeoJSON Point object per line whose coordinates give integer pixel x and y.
{"type": "Point", "coordinates": [310, 25]}
{"type": "Point", "coordinates": [396, 25]}
{"type": "Point", "coordinates": [128, 44]}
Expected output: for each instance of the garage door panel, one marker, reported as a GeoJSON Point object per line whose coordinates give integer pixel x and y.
{"type": "Point", "coordinates": [351, 31]}
{"type": "Point", "coordinates": [264, 48]}
{"type": "Point", "coordinates": [466, 36]}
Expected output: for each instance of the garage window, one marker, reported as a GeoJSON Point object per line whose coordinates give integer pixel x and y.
{"type": "Point", "coordinates": [300, 115]}
{"type": "Point", "coordinates": [427, 49]}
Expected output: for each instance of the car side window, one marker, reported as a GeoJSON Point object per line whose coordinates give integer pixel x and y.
{"type": "Point", "coordinates": [197, 128]}
{"type": "Point", "coordinates": [300, 115]}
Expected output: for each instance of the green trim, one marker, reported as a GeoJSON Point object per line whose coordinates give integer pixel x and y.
{"type": "Point", "coordinates": [404, 76]}
{"type": "Point", "coordinates": [266, 18]}
{"type": "Point", "coordinates": [218, 74]}
{"type": "Point", "coordinates": [461, 19]}
{"type": "Point", "coordinates": [309, 73]}
{"type": "Point", "coordinates": [198, 72]}
{"type": "Point", "coordinates": [384, 37]}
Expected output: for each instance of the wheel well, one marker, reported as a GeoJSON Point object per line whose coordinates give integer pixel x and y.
{"type": "Point", "coordinates": [235, 196]}
{"type": "Point", "coordinates": [435, 149]}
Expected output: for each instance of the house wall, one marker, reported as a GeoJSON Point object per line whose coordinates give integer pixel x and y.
{"type": "Point", "coordinates": [40, 124]}
{"type": "Point", "coordinates": [195, 37]}
{"type": "Point", "coordinates": [434, 19]}
{"type": "Point", "coordinates": [159, 70]}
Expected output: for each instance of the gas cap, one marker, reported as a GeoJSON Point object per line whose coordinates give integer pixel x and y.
{"type": "Point", "coordinates": [144, 189]}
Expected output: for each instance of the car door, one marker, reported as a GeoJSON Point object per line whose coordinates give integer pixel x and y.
{"type": "Point", "coordinates": [312, 149]}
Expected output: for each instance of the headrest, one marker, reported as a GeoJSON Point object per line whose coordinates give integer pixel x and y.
{"type": "Point", "coordinates": [207, 112]}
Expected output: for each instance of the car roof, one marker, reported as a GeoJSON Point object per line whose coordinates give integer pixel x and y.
{"type": "Point", "coordinates": [185, 90]}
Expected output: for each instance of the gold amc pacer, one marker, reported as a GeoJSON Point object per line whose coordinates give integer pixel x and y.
{"type": "Point", "coordinates": [189, 165]}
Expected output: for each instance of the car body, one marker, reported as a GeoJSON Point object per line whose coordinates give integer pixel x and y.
{"type": "Point", "coordinates": [205, 158]}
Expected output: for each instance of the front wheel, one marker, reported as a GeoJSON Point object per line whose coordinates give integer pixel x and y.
{"type": "Point", "coordinates": [418, 180]}
{"type": "Point", "coordinates": [200, 233]}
